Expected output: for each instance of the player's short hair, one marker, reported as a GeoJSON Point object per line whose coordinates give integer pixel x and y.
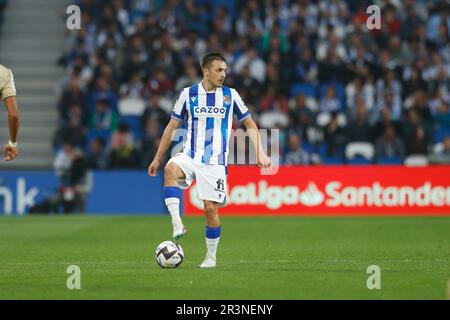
{"type": "Point", "coordinates": [210, 57]}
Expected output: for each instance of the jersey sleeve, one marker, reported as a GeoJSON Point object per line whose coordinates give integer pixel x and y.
{"type": "Point", "coordinates": [179, 110]}
{"type": "Point", "coordinates": [7, 87]}
{"type": "Point", "coordinates": [239, 108]}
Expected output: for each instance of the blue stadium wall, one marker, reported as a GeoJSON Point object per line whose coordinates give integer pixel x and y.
{"type": "Point", "coordinates": [113, 192]}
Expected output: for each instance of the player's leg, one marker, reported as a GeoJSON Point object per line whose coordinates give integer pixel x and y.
{"type": "Point", "coordinates": [212, 233]}
{"type": "Point", "coordinates": [172, 196]}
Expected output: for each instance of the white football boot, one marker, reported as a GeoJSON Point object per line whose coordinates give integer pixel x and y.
{"type": "Point", "coordinates": [209, 262]}
{"type": "Point", "coordinates": [179, 233]}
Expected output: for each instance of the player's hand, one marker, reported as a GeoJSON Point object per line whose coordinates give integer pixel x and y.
{"type": "Point", "coordinates": [153, 168]}
{"type": "Point", "coordinates": [9, 153]}
{"type": "Point", "coordinates": [264, 161]}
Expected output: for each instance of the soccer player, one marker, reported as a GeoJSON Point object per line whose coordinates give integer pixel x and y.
{"type": "Point", "coordinates": [8, 95]}
{"type": "Point", "coordinates": [209, 108]}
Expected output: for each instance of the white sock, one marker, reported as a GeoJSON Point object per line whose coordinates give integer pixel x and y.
{"type": "Point", "coordinates": [173, 205]}
{"type": "Point", "coordinates": [211, 246]}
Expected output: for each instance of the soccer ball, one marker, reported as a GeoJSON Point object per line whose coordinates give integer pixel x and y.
{"type": "Point", "coordinates": [169, 254]}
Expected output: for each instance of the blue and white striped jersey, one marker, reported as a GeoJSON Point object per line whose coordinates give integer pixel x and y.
{"type": "Point", "coordinates": [209, 120]}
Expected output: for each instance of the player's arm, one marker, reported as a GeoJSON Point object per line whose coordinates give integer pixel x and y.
{"type": "Point", "coordinates": [10, 150]}
{"type": "Point", "coordinates": [262, 160]}
{"type": "Point", "coordinates": [178, 114]}
{"type": "Point", "coordinates": [13, 118]}
{"type": "Point", "coordinates": [164, 145]}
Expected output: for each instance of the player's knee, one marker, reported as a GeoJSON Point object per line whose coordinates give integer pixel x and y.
{"type": "Point", "coordinates": [210, 209]}
{"type": "Point", "coordinates": [170, 171]}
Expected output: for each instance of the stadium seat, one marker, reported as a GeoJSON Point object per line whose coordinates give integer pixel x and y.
{"type": "Point", "coordinates": [331, 161]}
{"type": "Point", "coordinates": [95, 133]}
{"type": "Point", "coordinates": [416, 160]}
{"type": "Point", "coordinates": [229, 4]}
{"type": "Point", "coordinates": [308, 90]}
{"type": "Point", "coordinates": [131, 107]}
{"type": "Point", "coordinates": [134, 123]}
{"type": "Point", "coordinates": [323, 119]}
{"type": "Point", "coordinates": [440, 134]}
{"type": "Point", "coordinates": [137, 14]}
{"type": "Point", "coordinates": [438, 148]}
{"type": "Point", "coordinates": [363, 149]}
{"type": "Point", "coordinates": [359, 160]}
{"type": "Point", "coordinates": [389, 160]}
{"type": "Point", "coordinates": [337, 159]}
{"type": "Point", "coordinates": [340, 92]}
{"type": "Point", "coordinates": [105, 134]}
{"type": "Point", "coordinates": [270, 119]}
{"type": "Point", "coordinates": [321, 149]}
{"type": "Point", "coordinates": [308, 147]}
{"type": "Point", "coordinates": [314, 135]}
{"type": "Point", "coordinates": [341, 119]}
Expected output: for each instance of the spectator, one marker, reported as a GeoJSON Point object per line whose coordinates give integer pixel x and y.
{"type": "Point", "coordinates": [74, 128]}
{"type": "Point", "coordinates": [274, 100]}
{"type": "Point", "coordinates": [103, 92]}
{"type": "Point", "coordinates": [389, 145]}
{"type": "Point", "coordinates": [442, 117]}
{"type": "Point", "coordinates": [295, 155]}
{"type": "Point", "coordinates": [96, 157]}
{"type": "Point", "coordinates": [150, 141]}
{"type": "Point", "coordinates": [414, 82]}
{"type": "Point", "coordinates": [440, 16]}
{"type": "Point", "coordinates": [360, 130]}
{"type": "Point", "coordinates": [189, 78]}
{"type": "Point", "coordinates": [103, 118]}
{"type": "Point", "coordinates": [359, 89]}
{"type": "Point", "coordinates": [159, 83]}
{"type": "Point", "coordinates": [306, 70]}
{"type": "Point", "coordinates": [391, 102]}
{"type": "Point", "coordinates": [415, 135]}
{"type": "Point", "coordinates": [245, 82]}
{"type": "Point", "coordinates": [133, 89]}
{"type": "Point", "coordinates": [154, 111]}
{"type": "Point", "coordinates": [275, 35]}
{"type": "Point", "coordinates": [70, 165]}
{"type": "Point", "coordinates": [124, 154]}
{"type": "Point", "coordinates": [74, 94]}
{"type": "Point", "coordinates": [331, 68]}
{"type": "Point", "coordinates": [256, 65]}
{"type": "Point", "coordinates": [330, 102]}
{"type": "Point", "coordinates": [335, 137]}
{"type": "Point", "coordinates": [385, 120]}
{"type": "Point", "coordinates": [443, 155]}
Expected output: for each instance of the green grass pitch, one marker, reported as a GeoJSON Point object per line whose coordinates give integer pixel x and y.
{"type": "Point", "coordinates": [258, 258]}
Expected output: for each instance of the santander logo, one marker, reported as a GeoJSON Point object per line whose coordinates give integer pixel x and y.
{"type": "Point", "coordinates": [334, 194]}
{"type": "Point", "coordinates": [311, 196]}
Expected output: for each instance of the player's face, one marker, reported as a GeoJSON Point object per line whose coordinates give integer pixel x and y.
{"type": "Point", "coordinates": [216, 73]}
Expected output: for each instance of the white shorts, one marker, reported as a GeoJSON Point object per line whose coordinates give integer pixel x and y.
{"type": "Point", "coordinates": [211, 178]}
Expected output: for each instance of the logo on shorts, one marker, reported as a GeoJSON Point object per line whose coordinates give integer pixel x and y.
{"type": "Point", "coordinates": [220, 185]}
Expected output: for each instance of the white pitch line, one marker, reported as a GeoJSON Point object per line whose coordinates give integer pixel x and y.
{"type": "Point", "coordinates": [73, 262]}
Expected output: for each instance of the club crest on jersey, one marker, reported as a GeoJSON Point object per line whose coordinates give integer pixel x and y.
{"type": "Point", "coordinates": [226, 99]}
{"type": "Point", "coordinates": [213, 111]}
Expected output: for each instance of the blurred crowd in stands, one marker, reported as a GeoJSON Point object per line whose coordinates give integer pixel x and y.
{"type": "Point", "coordinates": [337, 91]}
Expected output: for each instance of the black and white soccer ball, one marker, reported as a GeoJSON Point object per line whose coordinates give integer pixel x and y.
{"type": "Point", "coordinates": [169, 254]}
